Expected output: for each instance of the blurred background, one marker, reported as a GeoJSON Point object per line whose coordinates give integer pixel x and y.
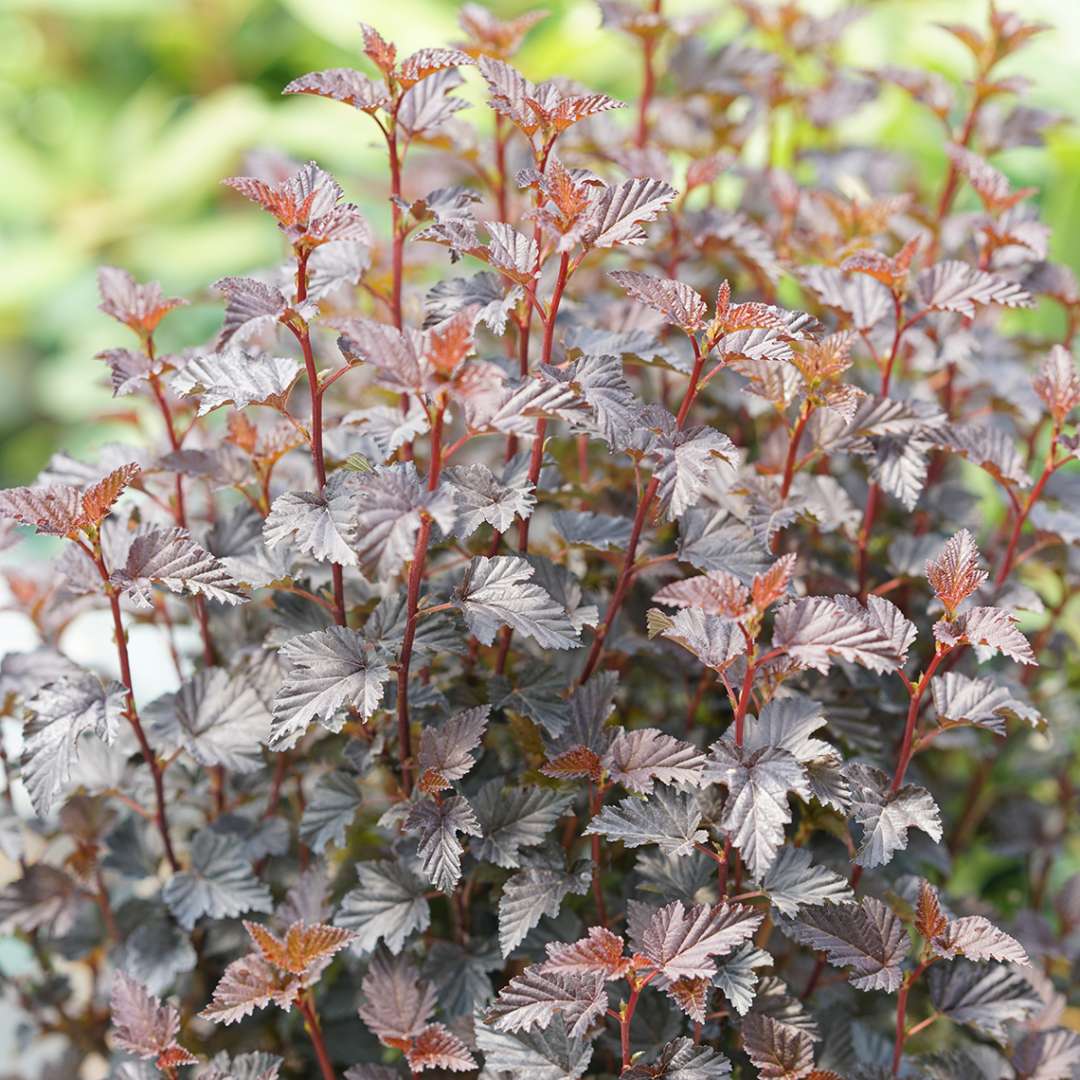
{"type": "Point", "coordinates": [118, 119]}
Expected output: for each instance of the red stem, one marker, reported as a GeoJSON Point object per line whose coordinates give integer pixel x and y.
{"type": "Point", "coordinates": [627, 572]}
{"type": "Point", "coordinates": [648, 84]}
{"type": "Point", "coordinates": [596, 799]}
{"type": "Point", "coordinates": [302, 333]}
{"type": "Point", "coordinates": [161, 817]}
{"type": "Point", "coordinates": [311, 1024]}
{"type": "Point", "coordinates": [793, 448]}
{"type": "Point", "coordinates": [905, 755]}
{"type": "Point", "coordinates": [1033, 497]}
{"type": "Point", "coordinates": [901, 1016]}
{"type": "Point", "coordinates": [416, 575]}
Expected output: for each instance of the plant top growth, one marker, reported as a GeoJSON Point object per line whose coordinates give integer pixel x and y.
{"type": "Point", "coordinates": [592, 655]}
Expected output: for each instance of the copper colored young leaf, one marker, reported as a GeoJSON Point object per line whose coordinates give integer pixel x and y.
{"type": "Point", "coordinates": [304, 951]}
{"type": "Point", "coordinates": [1058, 383]}
{"type": "Point", "coordinates": [436, 1047]}
{"type": "Point", "coordinates": [601, 951]}
{"type": "Point", "coordinates": [140, 307]}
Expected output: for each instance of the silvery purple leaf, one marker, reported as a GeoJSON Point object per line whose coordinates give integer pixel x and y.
{"type": "Point", "coordinates": [62, 712]}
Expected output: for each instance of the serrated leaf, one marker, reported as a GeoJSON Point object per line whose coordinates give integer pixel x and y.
{"type": "Point", "coordinates": [330, 811]}
{"type": "Point", "coordinates": [737, 977]}
{"type": "Point", "coordinates": [715, 641]}
{"type": "Point", "coordinates": [886, 816]}
{"type": "Point", "coordinates": [436, 825]}
{"type": "Point", "coordinates": [959, 699]}
{"type": "Point", "coordinates": [988, 447]}
{"type": "Point", "coordinates": [617, 215]}
{"type": "Point", "coordinates": [957, 286]}
{"type": "Point", "coordinates": [446, 752]}
{"type": "Point", "coordinates": [342, 84]}
{"type": "Point", "coordinates": [530, 894]}
{"type": "Point", "coordinates": [217, 717]}
{"type": "Point", "coordinates": [142, 1025]}
{"type": "Point", "coordinates": [993, 628]}
{"type": "Point", "coordinates": [867, 937]}
{"type": "Point", "coordinates": [677, 302]}
{"type": "Point", "coordinates": [62, 713]}
{"type": "Point", "coordinates": [388, 905]}
{"type": "Point", "coordinates": [816, 628]}
{"type": "Point", "coordinates": [549, 1053]}
{"type": "Point", "coordinates": [756, 810]}
{"type": "Point", "coordinates": [251, 306]}
{"type": "Point", "coordinates": [795, 881]}
{"type": "Point", "coordinates": [219, 883]}
{"type": "Point", "coordinates": [1047, 1055]}
{"type": "Point", "coordinates": [600, 531]}
{"type": "Point", "coordinates": [638, 758]}
{"type": "Point", "coordinates": [328, 669]}
{"type": "Point", "coordinates": [669, 819]}
{"type": "Point", "coordinates": [512, 819]}
{"type": "Point", "coordinates": [601, 951]}
{"type": "Point", "coordinates": [497, 592]}
{"type": "Point", "coordinates": [397, 1003]}
{"type": "Point", "coordinates": [687, 459]}
{"type": "Point", "coordinates": [248, 984]}
{"type": "Point", "coordinates": [984, 998]}
{"type": "Point", "coordinates": [304, 951]}
{"type": "Point", "coordinates": [171, 558]}
{"type": "Point", "coordinates": [238, 378]}
{"type": "Point", "coordinates": [318, 524]}
{"type": "Point", "coordinates": [778, 1051]}
{"type": "Point", "coordinates": [533, 999]}
{"type": "Point", "coordinates": [479, 498]}
{"type": "Point", "coordinates": [681, 1059]}
{"type": "Point", "coordinates": [684, 943]}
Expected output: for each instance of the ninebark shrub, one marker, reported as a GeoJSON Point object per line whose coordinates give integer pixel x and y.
{"type": "Point", "coordinates": [604, 666]}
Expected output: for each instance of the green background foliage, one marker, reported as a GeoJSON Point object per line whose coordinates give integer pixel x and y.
{"type": "Point", "coordinates": [118, 119]}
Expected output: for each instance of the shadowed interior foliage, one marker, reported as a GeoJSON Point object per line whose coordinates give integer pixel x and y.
{"type": "Point", "coordinates": [618, 610]}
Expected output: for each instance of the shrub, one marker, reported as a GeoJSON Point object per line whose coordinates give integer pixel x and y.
{"type": "Point", "coordinates": [595, 677]}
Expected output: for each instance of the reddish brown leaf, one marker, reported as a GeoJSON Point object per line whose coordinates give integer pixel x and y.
{"type": "Point", "coordinates": [955, 574]}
